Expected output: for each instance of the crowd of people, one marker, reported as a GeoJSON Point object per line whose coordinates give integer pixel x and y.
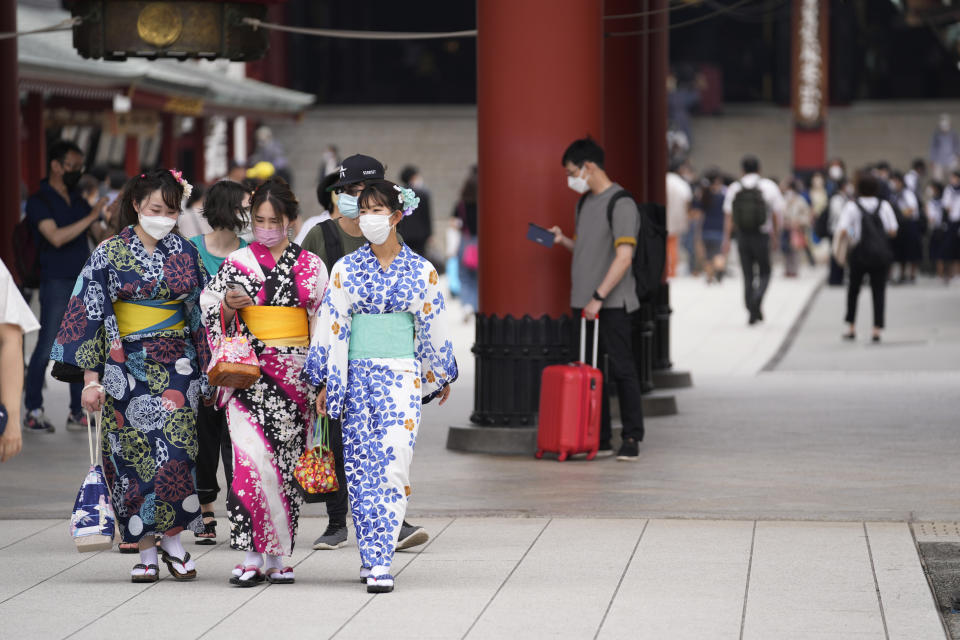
{"type": "Point", "coordinates": [144, 285]}
{"type": "Point", "coordinates": [919, 215]}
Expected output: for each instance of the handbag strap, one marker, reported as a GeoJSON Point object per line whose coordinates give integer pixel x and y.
{"type": "Point", "coordinates": [98, 419]}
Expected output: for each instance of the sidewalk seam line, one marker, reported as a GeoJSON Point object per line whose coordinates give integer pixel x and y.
{"type": "Point", "coordinates": [623, 575]}
{"type": "Point", "coordinates": [252, 597]}
{"type": "Point", "coordinates": [134, 596]}
{"type": "Point", "coordinates": [371, 597]}
{"type": "Point", "coordinates": [876, 583]}
{"type": "Point", "coordinates": [746, 588]}
{"type": "Point", "coordinates": [35, 533]}
{"type": "Point", "coordinates": [505, 581]}
{"type": "Point", "coordinates": [793, 331]}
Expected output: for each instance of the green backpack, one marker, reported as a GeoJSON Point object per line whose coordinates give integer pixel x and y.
{"type": "Point", "coordinates": [749, 210]}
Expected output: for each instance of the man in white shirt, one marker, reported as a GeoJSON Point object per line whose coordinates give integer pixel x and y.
{"type": "Point", "coordinates": [753, 207]}
{"type": "Point", "coordinates": [679, 197]}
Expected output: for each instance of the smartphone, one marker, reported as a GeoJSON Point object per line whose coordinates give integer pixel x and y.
{"type": "Point", "coordinates": [540, 235]}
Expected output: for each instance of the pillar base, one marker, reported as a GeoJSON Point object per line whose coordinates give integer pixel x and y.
{"type": "Point", "coordinates": [657, 405]}
{"type": "Point", "coordinates": [670, 379]}
{"type": "Point", "coordinates": [504, 441]}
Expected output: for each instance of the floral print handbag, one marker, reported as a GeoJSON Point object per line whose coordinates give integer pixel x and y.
{"type": "Point", "coordinates": [316, 471]}
{"type": "Point", "coordinates": [233, 363]}
{"type": "Point", "coordinates": [93, 523]}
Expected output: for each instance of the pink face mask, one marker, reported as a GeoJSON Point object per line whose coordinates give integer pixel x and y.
{"type": "Point", "coordinates": [269, 237]}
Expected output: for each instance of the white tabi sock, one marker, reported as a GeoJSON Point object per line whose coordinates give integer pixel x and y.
{"type": "Point", "coordinates": [276, 562]}
{"type": "Point", "coordinates": [174, 547]}
{"type": "Point", "coordinates": [147, 556]}
{"type": "Point", "coordinates": [252, 559]}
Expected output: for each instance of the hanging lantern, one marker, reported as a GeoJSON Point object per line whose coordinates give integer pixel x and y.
{"type": "Point", "coordinates": [120, 29]}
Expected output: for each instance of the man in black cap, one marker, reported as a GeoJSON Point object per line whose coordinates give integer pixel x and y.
{"type": "Point", "coordinates": [331, 240]}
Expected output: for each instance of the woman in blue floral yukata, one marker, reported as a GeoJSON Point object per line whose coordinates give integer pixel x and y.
{"type": "Point", "coordinates": [133, 325]}
{"type": "Point", "coordinates": [380, 351]}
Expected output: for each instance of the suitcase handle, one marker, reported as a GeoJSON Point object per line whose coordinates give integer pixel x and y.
{"type": "Point", "coordinates": [583, 339]}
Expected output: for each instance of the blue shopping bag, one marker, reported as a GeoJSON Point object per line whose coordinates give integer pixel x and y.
{"type": "Point", "coordinates": [93, 523]}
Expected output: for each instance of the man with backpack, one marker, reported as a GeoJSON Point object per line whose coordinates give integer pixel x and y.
{"type": "Point", "coordinates": [60, 219]}
{"type": "Point", "coordinates": [331, 240]}
{"type": "Point", "coordinates": [752, 207]}
{"type": "Point", "coordinates": [868, 222]}
{"type": "Point", "coordinates": [603, 282]}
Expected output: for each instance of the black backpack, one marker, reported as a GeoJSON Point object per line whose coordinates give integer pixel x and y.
{"type": "Point", "coordinates": [331, 242]}
{"type": "Point", "coordinates": [26, 254]}
{"type": "Point", "coordinates": [749, 209]}
{"type": "Point", "coordinates": [873, 251]}
{"type": "Point", "coordinates": [651, 255]}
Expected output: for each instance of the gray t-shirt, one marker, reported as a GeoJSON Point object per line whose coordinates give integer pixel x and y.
{"type": "Point", "coordinates": [595, 247]}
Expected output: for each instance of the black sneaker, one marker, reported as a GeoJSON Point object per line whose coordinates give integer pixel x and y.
{"type": "Point", "coordinates": [411, 536]}
{"type": "Point", "coordinates": [629, 451]}
{"type": "Point", "coordinates": [333, 538]}
{"type": "Point", "coordinates": [35, 421]}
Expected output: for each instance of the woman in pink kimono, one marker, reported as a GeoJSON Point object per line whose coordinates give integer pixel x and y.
{"type": "Point", "coordinates": [275, 289]}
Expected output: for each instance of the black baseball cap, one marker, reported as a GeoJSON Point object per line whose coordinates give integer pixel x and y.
{"type": "Point", "coordinates": [357, 168]}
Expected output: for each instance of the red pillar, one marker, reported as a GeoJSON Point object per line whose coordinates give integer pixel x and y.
{"type": "Point", "coordinates": [539, 87]}
{"type": "Point", "coordinates": [199, 146]}
{"type": "Point", "coordinates": [622, 97]}
{"type": "Point", "coordinates": [168, 141]}
{"type": "Point", "coordinates": [810, 49]}
{"type": "Point", "coordinates": [658, 64]}
{"type": "Point", "coordinates": [231, 143]}
{"type": "Point", "coordinates": [34, 142]}
{"type": "Point", "coordinates": [131, 156]}
{"type": "Point", "coordinates": [9, 132]}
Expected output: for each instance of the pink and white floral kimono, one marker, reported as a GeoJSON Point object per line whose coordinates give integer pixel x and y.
{"type": "Point", "coordinates": [269, 421]}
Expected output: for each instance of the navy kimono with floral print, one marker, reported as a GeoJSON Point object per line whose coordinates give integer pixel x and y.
{"type": "Point", "coordinates": [152, 378]}
{"type": "Point", "coordinates": [379, 399]}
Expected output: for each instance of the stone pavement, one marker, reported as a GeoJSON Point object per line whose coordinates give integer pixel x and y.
{"type": "Point", "coordinates": [773, 506]}
{"type": "Point", "coordinates": [500, 578]}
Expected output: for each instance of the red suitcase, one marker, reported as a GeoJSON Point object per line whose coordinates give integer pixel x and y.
{"type": "Point", "coordinates": [570, 404]}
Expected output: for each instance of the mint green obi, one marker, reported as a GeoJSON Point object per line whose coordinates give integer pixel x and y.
{"type": "Point", "coordinates": [381, 335]}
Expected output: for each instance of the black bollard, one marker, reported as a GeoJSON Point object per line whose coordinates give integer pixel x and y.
{"type": "Point", "coordinates": [661, 332]}
{"type": "Point", "coordinates": [510, 355]}
{"type": "Point", "coordinates": [643, 346]}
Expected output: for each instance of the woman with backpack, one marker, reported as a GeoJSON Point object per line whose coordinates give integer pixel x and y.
{"type": "Point", "coordinates": [867, 222]}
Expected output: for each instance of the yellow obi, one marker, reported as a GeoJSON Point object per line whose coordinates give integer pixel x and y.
{"type": "Point", "coordinates": [278, 326]}
{"type": "Point", "coordinates": [149, 316]}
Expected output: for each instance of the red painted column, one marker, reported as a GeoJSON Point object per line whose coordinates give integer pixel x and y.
{"type": "Point", "coordinates": [168, 141]}
{"type": "Point", "coordinates": [34, 142]}
{"type": "Point", "coordinates": [199, 146]}
{"type": "Point", "coordinates": [131, 156]}
{"type": "Point", "coordinates": [539, 87]}
{"type": "Point", "coordinates": [810, 50]}
{"type": "Point", "coordinates": [9, 132]}
{"type": "Point", "coordinates": [658, 64]}
{"type": "Point", "coordinates": [623, 120]}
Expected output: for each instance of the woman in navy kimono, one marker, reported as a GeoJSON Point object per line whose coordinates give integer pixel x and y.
{"type": "Point", "coordinates": [133, 325]}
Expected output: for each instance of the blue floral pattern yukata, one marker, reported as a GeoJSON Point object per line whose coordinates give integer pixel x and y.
{"type": "Point", "coordinates": [379, 399]}
{"type": "Point", "coordinates": [152, 378]}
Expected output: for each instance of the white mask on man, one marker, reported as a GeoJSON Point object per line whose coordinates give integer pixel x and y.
{"type": "Point", "coordinates": [578, 183]}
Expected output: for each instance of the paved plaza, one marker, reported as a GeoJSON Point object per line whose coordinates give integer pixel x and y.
{"type": "Point", "coordinates": [778, 503]}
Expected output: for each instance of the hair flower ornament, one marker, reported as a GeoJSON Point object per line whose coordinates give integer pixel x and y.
{"type": "Point", "coordinates": [187, 187]}
{"type": "Point", "coordinates": [407, 198]}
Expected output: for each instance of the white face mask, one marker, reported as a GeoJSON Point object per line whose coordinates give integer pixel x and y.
{"type": "Point", "coordinates": [578, 183]}
{"type": "Point", "coordinates": [375, 227]}
{"type": "Point", "coordinates": [157, 227]}
{"type": "Point", "coordinates": [836, 173]}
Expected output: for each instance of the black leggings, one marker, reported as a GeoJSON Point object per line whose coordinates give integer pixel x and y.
{"type": "Point", "coordinates": [213, 439]}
